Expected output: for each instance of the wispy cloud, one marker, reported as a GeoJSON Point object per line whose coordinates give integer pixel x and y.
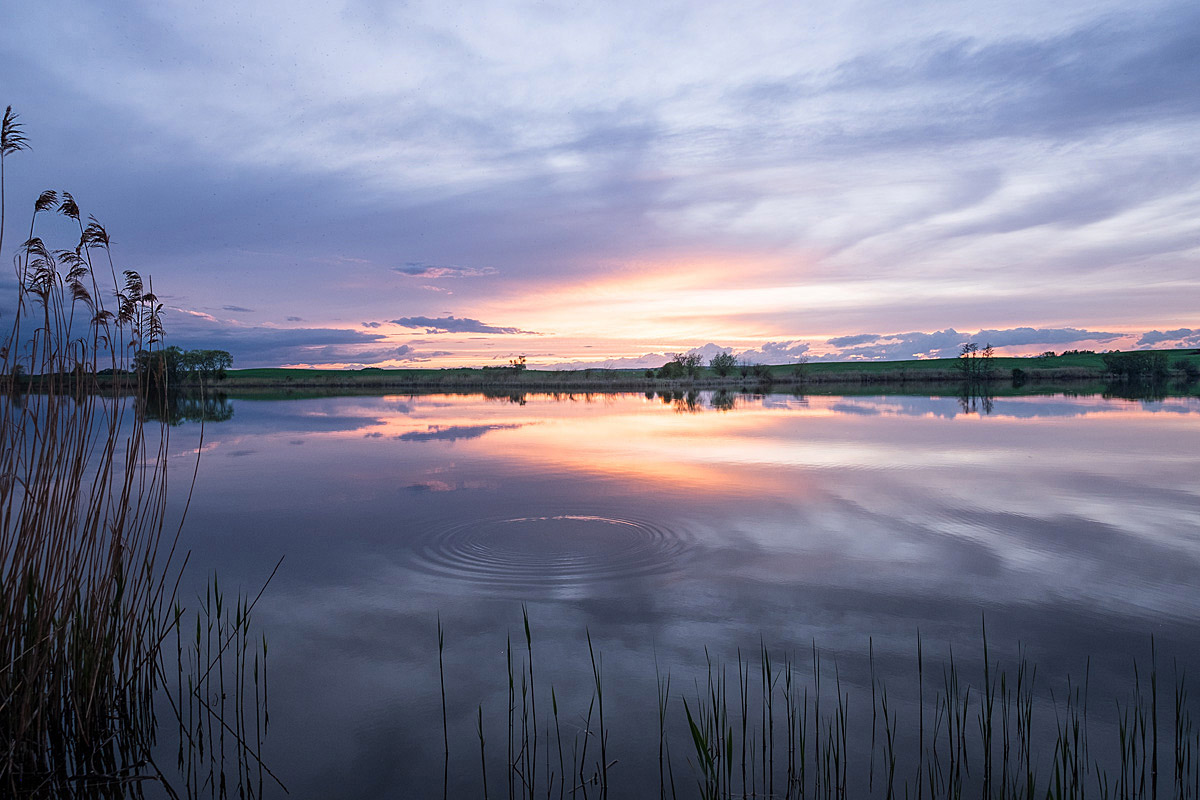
{"type": "Point", "coordinates": [415, 269]}
{"type": "Point", "coordinates": [196, 314]}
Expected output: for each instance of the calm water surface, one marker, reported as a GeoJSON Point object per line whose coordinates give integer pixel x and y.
{"type": "Point", "coordinates": [662, 527]}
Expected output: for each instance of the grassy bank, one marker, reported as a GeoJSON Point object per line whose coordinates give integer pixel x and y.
{"type": "Point", "coordinates": [1080, 367]}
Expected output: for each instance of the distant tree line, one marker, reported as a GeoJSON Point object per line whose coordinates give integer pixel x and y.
{"type": "Point", "coordinates": [688, 365]}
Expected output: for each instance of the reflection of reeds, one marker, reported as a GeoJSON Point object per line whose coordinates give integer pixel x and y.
{"type": "Point", "coordinates": [88, 571]}
{"type": "Point", "coordinates": [769, 736]}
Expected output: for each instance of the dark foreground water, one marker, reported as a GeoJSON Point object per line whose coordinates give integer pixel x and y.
{"type": "Point", "coordinates": [664, 527]}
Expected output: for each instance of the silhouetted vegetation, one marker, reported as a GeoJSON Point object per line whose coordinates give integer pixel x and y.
{"type": "Point", "coordinates": [975, 364]}
{"type": "Point", "coordinates": [1138, 364]}
{"type": "Point", "coordinates": [170, 368]}
{"type": "Point", "coordinates": [88, 569]}
{"type": "Point", "coordinates": [681, 365]}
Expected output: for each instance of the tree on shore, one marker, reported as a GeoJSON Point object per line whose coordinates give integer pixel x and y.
{"type": "Point", "coordinates": [723, 363]}
{"type": "Point", "coordinates": [173, 366]}
{"type": "Point", "coordinates": [975, 364]}
{"type": "Point", "coordinates": [681, 365]}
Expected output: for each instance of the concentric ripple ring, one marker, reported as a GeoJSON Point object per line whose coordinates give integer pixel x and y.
{"type": "Point", "coordinates": [551, 551]}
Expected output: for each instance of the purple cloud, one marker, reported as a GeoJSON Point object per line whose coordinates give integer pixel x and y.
{"type": "Point", "coordinates": [452, 324]}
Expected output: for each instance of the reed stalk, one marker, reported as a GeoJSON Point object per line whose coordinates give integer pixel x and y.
{"type": "Point", "coordinates": [89, 569]}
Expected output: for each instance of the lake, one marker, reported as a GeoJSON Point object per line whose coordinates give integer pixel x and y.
{"type": "Point", "coordinates": [679, 531]}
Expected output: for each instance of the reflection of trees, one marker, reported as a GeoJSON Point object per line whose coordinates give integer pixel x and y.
{"type": "Point", "coordinates": [684, 402]}
{"type": "Point", "coordinates": [1137, 390]}
{"type": "Point", "coordinates": [176, 408]}
{"type": "Point", "coordinates": [724, 400]}
{"type": "Point", "coordinates": [516, 398]}
{"type": "Point", "coordinates": [974, 398]}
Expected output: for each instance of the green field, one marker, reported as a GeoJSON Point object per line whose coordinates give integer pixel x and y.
{"type": "Point", "coordinates": [1060, 368]}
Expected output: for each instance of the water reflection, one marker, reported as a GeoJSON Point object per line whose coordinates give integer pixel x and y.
{"type": "Point", "coordinates": [1072, 522]}
{"type": "Point", "coordinates": [176, 408]}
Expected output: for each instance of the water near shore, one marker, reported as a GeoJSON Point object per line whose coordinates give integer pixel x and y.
{"type": "Point", "coordinates": [667, 525]}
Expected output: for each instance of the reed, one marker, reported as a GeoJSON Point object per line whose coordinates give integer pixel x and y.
{"type": "Point", "coordinates": [89, 568]}
{"type": "Point", "coordinates": [782, 729]}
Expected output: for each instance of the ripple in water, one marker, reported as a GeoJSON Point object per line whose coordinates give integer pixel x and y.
{"type": "Point", "coordinates": [549, 552]}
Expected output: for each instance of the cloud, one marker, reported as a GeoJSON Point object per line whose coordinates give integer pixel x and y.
{"type": "Point", "coordinates": [295, 319]}
{"type": "Point", "coordinates": [647, 361]}
{"type": "Point", "coordinates": [371, 324]}
{"type": "Point", "coordinates": [451, 324]}
{"type": "Point", "coordinates": [707, 351]}
{"type": "Point", "coordinates": [1021, 336]}
{"type": "Point", "coordinates": [452, 433]}
{"type": "Point", "coordinates": [406, 352]}
{"type": "Point", "coordinates": [946, 343]}
{"type": "Point", "coordinates": [850, 341]}
{"type": "Point", "coordinates": [265, 346]}
{"type": "Point", "coordinates": [416, 269]}
{"type": "Point", "coordinates": [1186, 337]}
{"type": "Point", "coordinates": [777, 352]}
{"type": "Point", "coordinates": [196, 314]}
{"type": "Point", "coordinates": [238, 309]}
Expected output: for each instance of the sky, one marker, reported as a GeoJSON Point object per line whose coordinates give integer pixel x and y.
{"type": "Point", "coordinates": [368, 183]}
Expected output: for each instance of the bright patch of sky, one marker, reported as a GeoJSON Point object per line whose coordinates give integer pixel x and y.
{"type": "Point", "coordinates": [358, 182]}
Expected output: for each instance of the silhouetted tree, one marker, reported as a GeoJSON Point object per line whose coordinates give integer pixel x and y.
{"type": "Point", "coordinates": [681, 365]}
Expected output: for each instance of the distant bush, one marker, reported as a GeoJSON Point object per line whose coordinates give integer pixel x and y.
{"type": "Point", "coordinates": [1138, 364]}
